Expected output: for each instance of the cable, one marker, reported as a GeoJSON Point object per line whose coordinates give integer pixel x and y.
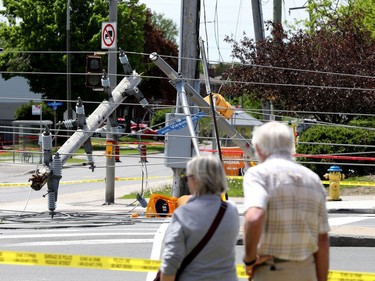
{"type": "Point", "coordinates": [186, 58]}
{"type": "Point", "coordinates": [216, 33]}
{"type": "Point", "coordinates": [205, 23]}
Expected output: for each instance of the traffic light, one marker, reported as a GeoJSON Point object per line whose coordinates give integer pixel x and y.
{"type": "Point", "coordinates": [222, 106]}
{"type": "Point", "coordinates": [94, 66]}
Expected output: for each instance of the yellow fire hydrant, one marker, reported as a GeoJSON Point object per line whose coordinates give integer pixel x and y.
{"type": "Point", "coordinates": [334, 176]}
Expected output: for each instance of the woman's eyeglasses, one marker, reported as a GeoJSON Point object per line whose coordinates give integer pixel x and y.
{"type": "Point", "coordinates": [186, 177]}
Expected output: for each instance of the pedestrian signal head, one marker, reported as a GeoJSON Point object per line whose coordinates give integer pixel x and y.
{"type": "Point", "coordinates": [94, 68]}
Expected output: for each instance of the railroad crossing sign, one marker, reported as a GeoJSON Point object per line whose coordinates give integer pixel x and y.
{"type": "Point", "coordinates": [109, 35]}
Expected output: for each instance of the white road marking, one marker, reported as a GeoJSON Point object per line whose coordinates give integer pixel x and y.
{"type": "Point", "coordinates": [156, 247]}
{"type": "Point", "coordinates": [9, 236]}
{"type": "Point", "coordinates": [344, 220]}
{"type": "Point", "coordinates": [82, 242]}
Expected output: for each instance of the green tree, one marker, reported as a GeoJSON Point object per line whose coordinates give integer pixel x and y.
{"type": "Point", "coordinates": [328, 70]}
{"type": "Point", "coordinates": [165, 25]}
{"type": "Point", "coordinates": [35, 48]}
{"type": "Point", "coordinates": [323, 11]}
{"type": "Point", "coordinates": [24, 112]}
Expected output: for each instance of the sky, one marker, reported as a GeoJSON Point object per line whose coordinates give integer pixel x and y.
{"type": "Point", "coordinates": [233, 18]}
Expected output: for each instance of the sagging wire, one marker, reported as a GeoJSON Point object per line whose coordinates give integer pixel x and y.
{"type": "Point", "coordinates": [143, 160]}
{"type": "Point", "coordinates": [27, 202]}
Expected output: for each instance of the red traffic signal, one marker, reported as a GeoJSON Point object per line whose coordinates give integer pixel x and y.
{"type": "Point", "coordinates": [94, 69]}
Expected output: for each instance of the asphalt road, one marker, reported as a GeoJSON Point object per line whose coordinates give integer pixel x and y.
{"type": "Point", "coordinates": [112, 236]}
{"type": "Point", "coordinates": [116, 237]}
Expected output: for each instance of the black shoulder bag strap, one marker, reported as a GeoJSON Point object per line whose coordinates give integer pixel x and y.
{"type": "Point", "coordinates": [188, 259]}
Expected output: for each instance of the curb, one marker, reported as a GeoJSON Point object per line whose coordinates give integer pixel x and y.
{"type": "Point", "coordinates": [351, 211]}
{"type": "Point", "coordinates": [351, 241]}
{"type": "Point", "coordinates": [339, 241]}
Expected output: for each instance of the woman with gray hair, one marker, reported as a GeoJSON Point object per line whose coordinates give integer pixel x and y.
{"type": "Point", "coordinates": [216, 261]}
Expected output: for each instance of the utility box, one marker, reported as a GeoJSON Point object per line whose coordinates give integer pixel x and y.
{"type": "Point", "coordinates": [178, 144]}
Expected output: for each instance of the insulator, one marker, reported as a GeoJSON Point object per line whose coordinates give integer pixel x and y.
{"type": "Point", "coordinates": [144, 102]}
{"type": "Point", "coordinates": [90, 158]}
{"type": "Point", "coordinates": [141, 200]}
{"type": "Point", "coordinates": [143, 151]}
{"type": "Point", "coordinates": [51, 201]}
{"type": "Point", "coordinates": [57, 165]}
{"type": "Point", "coordinates": [124, 59]}
{"type": "Point", "coordinates": [68, 123]}
{"type": "Point", "coordinates": [47, 142]}
{"type": "Point", "coordinates": [106, 83]}
{"type": "Point", "coordinates": [80, 109]}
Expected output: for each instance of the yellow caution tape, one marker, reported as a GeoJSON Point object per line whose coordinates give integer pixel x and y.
{"type": "Point", "coordinates": [334, 275]}
{"type": "Point", "coordinates": [78, 261]}
{"type": "Point", "coordinates": [131, 264]}
{"type": "Point", "coordinates": [353, 183]}
{"type": "Point", "coordinates": [88, 181]}
{"type": "Point", "coordinates": [343, 183]}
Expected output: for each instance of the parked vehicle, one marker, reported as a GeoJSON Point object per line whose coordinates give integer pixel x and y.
{"type": "Point", "coordinates": [102, 131]}
{"type": "Point", "coordinates": [144, 130]}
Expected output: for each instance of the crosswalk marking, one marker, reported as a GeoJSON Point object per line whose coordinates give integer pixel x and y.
{"type": "Point", "coordinates": [74, 236]}
{"type": "Point", "coordinates": [82, 242]}
{"type": "Point", "coordinates": [344, 220]}
{"type": "Point", "coordinates": [5, 236]}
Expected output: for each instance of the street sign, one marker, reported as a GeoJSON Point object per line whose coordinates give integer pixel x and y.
{"type": "Point", "coordinates": [109, 33]}
{"type": "Point", "coordinates": [36, 109]}
{"type": "Point", "coordinates": [66, 116]}
{"type": "Point", "coordinates": [180, 124]}
{"type": "Point", "coordinates": [54, 104]}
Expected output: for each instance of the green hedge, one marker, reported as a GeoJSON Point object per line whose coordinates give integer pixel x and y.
{"type": "Point", "coordinates": [339, 135]}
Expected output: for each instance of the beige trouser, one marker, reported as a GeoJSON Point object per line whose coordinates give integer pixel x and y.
{"type": "Point", "coordinates": [286, 271]}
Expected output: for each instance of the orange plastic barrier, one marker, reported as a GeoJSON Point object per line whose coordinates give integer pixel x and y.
{"type": "Point", "coordinates": [232, 160]}
{"type": "Point", "coordinates": [161, 206]}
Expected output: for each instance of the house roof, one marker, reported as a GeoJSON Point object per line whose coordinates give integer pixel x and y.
{"type": "Point", "coordinates": [241, 118]}
{"type": "Point", "coordinates": [16, 90]}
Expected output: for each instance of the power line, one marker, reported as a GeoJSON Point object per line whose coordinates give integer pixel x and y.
{"type": "Point", "coordinates": [187, 58]}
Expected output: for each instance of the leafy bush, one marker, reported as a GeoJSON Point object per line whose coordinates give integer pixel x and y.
{"type": "Point", "coordinates": [159, 117]}
{"type": "Point", "coordinates": [24, 112]}
{"type": "Point", "coordinates": [358, 138]}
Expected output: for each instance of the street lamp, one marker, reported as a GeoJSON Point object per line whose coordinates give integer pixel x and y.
{"type": "Point", "coordinates": [68, 67]}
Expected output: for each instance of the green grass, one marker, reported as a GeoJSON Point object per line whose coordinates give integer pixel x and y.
{"type": "Point", "coordinates": [164, 190]}
{"type": "Point", "coordinates": [235, 190]}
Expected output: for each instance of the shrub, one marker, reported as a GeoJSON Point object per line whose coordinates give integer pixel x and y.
{"type": "Point", "coordinates": [317, 140]}
{"type": "Point", "coordinates": [159, 117]}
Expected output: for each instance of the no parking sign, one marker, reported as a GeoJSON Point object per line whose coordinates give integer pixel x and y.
{"type": "Point", "coordinates": [109, 35]}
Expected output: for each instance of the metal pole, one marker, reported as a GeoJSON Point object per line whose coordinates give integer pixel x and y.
{"type": "Point", "coordinates": [68, 67]}
{"type": "Point", "coordinates": [258, 20]}
{"type": "Point", "coordinates": [277, 11]}
{"type": "Point", "coordinates": [112, 71]}
{"type": "Point", "coordinates": [209, 93]}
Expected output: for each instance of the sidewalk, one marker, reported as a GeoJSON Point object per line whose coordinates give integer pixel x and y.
{"type": "Point", "coordinates": [346, 233]}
